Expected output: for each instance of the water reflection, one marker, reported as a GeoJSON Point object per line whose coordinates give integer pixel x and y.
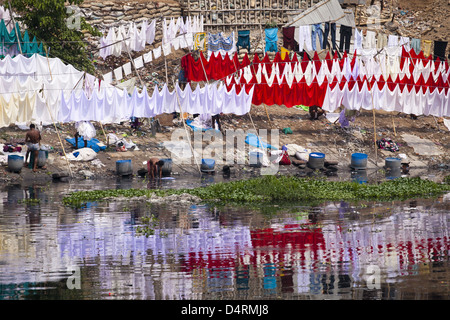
{"type": "Point", "coordinates": [204, 252]}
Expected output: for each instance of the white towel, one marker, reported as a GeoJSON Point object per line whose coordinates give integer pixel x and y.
{"type": "Point", "coordinates": [127, 68]}
{"type": "Point", "coordinates": [148, 57]}
{"type": "Point", "coordinates": [138, 62]}
{"type": "Point", "coordinates": [118, 73]}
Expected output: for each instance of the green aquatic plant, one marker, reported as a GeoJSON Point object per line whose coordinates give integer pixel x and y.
{"type": "Point", "coordinates": [29, 201]}
{"type": "Point", "coordinates": [282, 189]}
{"type": "Point", "coordinates": [148, 227]}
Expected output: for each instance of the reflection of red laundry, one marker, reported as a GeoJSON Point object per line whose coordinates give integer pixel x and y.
{"type": "Point", "coordinates": [298, 236]}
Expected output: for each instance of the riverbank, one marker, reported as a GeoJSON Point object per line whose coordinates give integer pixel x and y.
{"type": "Point", "coordinates": [423, 144]}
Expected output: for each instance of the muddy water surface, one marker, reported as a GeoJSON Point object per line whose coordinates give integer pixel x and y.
{"type": "Point", "coordinates": [338, 250]}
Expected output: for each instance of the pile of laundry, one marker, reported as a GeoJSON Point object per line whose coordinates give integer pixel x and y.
{"type": "Point", "coordinates": [387, 144]}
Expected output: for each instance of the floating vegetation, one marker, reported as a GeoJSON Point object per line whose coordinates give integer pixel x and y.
{"type": "Point", "coordinates": [282, 189]}
{"type": "Point", "coordinates": [148, 227]}
{"type": "Point", "coordinates": [29, 201]}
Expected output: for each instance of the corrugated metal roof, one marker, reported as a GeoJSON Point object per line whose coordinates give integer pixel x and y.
{"type": "Point", "coordinates": [324, 11]}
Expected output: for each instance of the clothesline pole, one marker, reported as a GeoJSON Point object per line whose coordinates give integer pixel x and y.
{"type": "Point", "coordinates": [374, 131]}
{"type": "Point", "coordinates": [132, 61]}
{"type": "Point", "coordinates": [185, 128]}
{"type": "Point", "coordinates": [15, 27]}
{"type": "Point", "coordinates": [103, 130]}
{"type": "Point", "coordinates": [48, 62]}
{"type": "Point", "coordinates": [59, 137]}
{"type": "Point", "coordinates": [393, 124]}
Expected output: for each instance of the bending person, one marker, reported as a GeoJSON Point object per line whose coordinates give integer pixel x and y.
{"type": "Point", "coordinates": [154, 166]}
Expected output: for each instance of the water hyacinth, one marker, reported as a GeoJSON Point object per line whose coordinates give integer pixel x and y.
{"type": "Point", "coordinates": [282, 189]}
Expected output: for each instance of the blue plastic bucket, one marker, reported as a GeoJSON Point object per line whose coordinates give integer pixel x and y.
{"type": "Point", "coordinates": [15, 163]}
{"type": "Point", "coordinates": [124, 168]}
{"type": "Point", "coordinates": [316, 160]}
{"type": "Point", "coordinates": [255, 159]}
{"type": "Point", "coordinates": [393, 163]}
{"type": "Point", "coordinates": [207, 165]}
{"type": "Point", "coordinates": [359, 161]}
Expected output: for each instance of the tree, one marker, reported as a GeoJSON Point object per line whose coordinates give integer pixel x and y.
{"type": "Point", "coordinates": [52, 23]}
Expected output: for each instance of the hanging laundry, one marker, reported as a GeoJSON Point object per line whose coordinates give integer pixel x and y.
{"type": "Point", "coordinates": [382, 41]}
{"type": "Point", "coordinates": [127, 68]}
{"type": "Point", "coordinates": [148, 57]}
{"type": "Point", "coordinates": [439, 49]}
{"type": "Point", "coordinates": [406, 42]}
{"type": "Point", "coordinates": [118, 73]}
{"type": "Point", "coordinates": [392, 40]}
{"type": "Point", "coordinates": [157, 52]}
{"type": "Point", "coordinates": [289, 39]}
{"type": "Point", "coordinates": [107, 78]}
{"type": "Point", "coordinates": [200, 42]}
{"type": "Point", "coordinates": [370, 40]}
{"type": "Point", "coordinates": [284, 52]}
{"type": "Point", "coordinates": [218, 43]}
{"type": "Point", "coordinates": [138, 62]}
{"type": "Point", "coordinates": [243, 40]}
{"type": "Point", "coordinates": [303, 37]}
{"type": "Point", "coordinates": [426, 47]}
{"type": "Point", "coordinates": [345, 38]}
{"type": "Point", "coordinates": [358, 39]}
{"type": "Point", "coordinates": [316, 31]}
{"type": "Point", "coordinates": [330, 27]}
{"type": "Point", "coordinates": [271, 39]}
{"type": "Point", "coordinates": [166, 48]}
{"type": "Point", "coordinates": [415, 44]}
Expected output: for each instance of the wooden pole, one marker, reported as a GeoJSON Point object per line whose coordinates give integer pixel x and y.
{"type": "Point", "coordinates": [187, 134]}
{"type": "Point", "coordinates": [59, 137]}
{"type": "Point", "coordinates": [15, 27]}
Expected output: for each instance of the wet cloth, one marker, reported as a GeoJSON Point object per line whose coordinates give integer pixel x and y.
{"type": "Point", "coordinates": [289, 39]}
{"type": "Point", "coordinates": [303, 37]}
{"type": "Point", "coordinates": [345, 38]}
{"type": "Point", "coordinates": [316, 31]}
{"type": "Point", "coordinates": [271, 39]}
{"type": "Point", "coordinates": [329, 28]}
{"type": "Point", "coordinates": [387, 144]}
{"type": "Point", "coordinates": [415, 44]}
{"type": "Point", "coordinates": [382, 41]}
{"type": "Point", "coordinates": [370, 41]}
{"type": "Point", "coordinates": [439, 49]}
{"type": "Point", "coordinates": [426, 47]}
{"type": "Point", "coordinates": [243, 40]}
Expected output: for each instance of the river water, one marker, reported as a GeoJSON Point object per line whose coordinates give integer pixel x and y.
{"type": "Point", "coordinates": [338, 250]}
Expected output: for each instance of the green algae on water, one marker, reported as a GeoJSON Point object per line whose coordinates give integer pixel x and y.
{"type": "Point", "coordinates": [267, 189]}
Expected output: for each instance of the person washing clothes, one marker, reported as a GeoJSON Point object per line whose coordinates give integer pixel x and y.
{"type": "Point", "coordinates": [33, 141]}
{"type": "Point", "coordinates": [154, 166]}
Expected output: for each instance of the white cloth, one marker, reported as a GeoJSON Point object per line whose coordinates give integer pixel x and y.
{"type": "Point", "coordinates": [303, 36]}
{"type": "Point", "coordinates": [148, 57]}
{"type": "Point", "coordinates": [114, 105]}
{"type": "Point", "coordinates": [118, 73]}
{"type": "Point", "coordinates": [138, 62]}
{"type": "Point", "coordinates": [108, 78]}
{"type": "Point", "coordinates": [157, 52]}
{"type": "Point", "coordinates": [127, 68]}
